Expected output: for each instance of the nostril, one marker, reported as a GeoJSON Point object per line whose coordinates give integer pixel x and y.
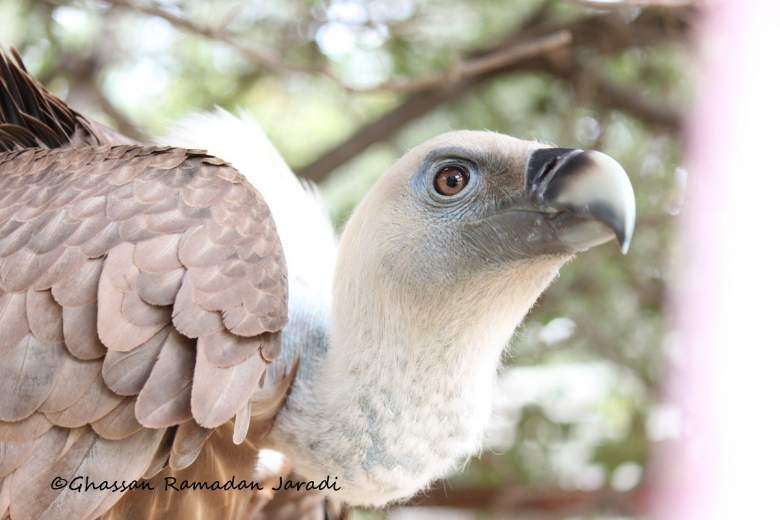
{"type": "Point", "coordinates": [548, 168]}
{"type": "Point", "coordinates": [543, 166]}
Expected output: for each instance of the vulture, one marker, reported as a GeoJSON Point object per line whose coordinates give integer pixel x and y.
{"type": "Point", "coordinates": [170, 320]}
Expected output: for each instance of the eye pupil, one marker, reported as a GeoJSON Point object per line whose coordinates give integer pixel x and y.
{"type": "Point", "coordinates": [450, 180]}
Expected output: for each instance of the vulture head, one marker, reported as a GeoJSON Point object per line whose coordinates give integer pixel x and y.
{"type": "Point", "coordinates": [470, 206]}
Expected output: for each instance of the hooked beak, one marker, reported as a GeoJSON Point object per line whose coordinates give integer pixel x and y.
{"type": "Point", "coordinates": [589, 193]}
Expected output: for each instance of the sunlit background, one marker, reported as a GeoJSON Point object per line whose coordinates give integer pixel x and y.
{"type": "Point", "coordinates": [343, 88]}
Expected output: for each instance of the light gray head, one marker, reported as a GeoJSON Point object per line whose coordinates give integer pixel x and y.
{"type": "Point", "coordinates": [436, 267]}
{"type": "Point", "coordinates": [468, 202]}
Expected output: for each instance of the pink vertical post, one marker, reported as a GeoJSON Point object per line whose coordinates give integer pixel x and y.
{"type": "Point", "coordinates": [727, 297]}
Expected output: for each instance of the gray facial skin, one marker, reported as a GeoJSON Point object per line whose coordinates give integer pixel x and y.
{"type": "Point", "coordinates": [560, 202]}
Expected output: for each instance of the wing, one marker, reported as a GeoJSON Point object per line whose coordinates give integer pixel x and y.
{"type": "Point", "coordinates": [142, 295]}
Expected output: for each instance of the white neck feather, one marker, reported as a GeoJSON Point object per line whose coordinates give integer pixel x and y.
{"type": "Point", "coordinates": [405, 390]}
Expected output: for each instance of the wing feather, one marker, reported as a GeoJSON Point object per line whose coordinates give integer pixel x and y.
{"type": "Point", "coordinates": [44, 316]}
{"type": "Point", "coordinates": [219, 392]}
{"type": "Point", "coordinates": [191, 319]}
{"type": "Point", "coordinates": [80, 332]}
{"type": "Point", "coordinates": [160, 288]}
{"type": "Point", "coordinates": [89, 455]}
{"type": "Point", "coordinates": [223, 349]}
{"type": "Point", "coordinates": [119, 423]}
{"type": "Point", "coordinates": [164, 399]}
{"type": "Point", "coordinates": [13, 455]}
{"type": "Point", "coordinates": [123, 322]}
{"type": "Point", "coordinates": [27, 372]}
{"type": "Point", "coordinates": [13, 318]}
{"type": "Point", "coordinates": [142, 291]}
{"type": "Point", "coordinates": [96, 402]}
{"type": "Point", "coordinates": [27, 429]}
{"type": "Point", "coordinates": [189, 440]}
{"type": "Point", "coordinates": [126, 372]}
{"type": "Point", "coordinates": [81, 288]}
{"type": "Point", "coordinates": [74, 378]}
{"type": "Point", "coordinates": [241, 424]}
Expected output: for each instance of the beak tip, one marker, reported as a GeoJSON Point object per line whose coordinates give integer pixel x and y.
{"type": "Point", "coordinates": [594, 186]}
{"type": "Point", "coordinates": [625, 234]}
{"type": "Point", "coordinates": [614, 184]}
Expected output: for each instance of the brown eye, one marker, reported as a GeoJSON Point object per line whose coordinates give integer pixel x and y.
{"type": "Point", "coordinates": [450, 180]}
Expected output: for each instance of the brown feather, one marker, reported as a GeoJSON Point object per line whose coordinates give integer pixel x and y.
{"type": "Point", "coordinates": [27, 429]}
{"type": "Point", "coordinates": [189, 440]}
{"type": "Point", "coordinates": [117, 283]}
{"type": "Point", "coordinates": [197, 250]}
{"type": "Point", "coordinates": [150, 191]}
{"type": "Point", "coordinates": [241, 424]}
{"type": "Point", "coordinates": [22, 269]}
{"type": "Point", "coordinates": [57, 229]}
{"type": "Point", "coordinates": [270, 346]}
{"type": "Point", "coordinates": [119, 423]}
{"type": "Point", "coordinates": [47, 449]}
{"type": "Point", "coordinates": [165, 397]}
{"type": "Point", "coordinates": [13, 319]}
{"type": "Point", "coordinates": [91, 456]}
{"type": "Point", "coordinates": [26, 375]}
{"type": "Point", "coordinates": [160, 288]}
{"type": "Point", "coordinates": [218, 393]}
{"type": "Point", "coordinates": [96, 403]}
{"type": "Point", "coordinates": [13, 455]}
{"type": "Point", "coordinates": [66, 266]}
{"type": "Point", "coordinates": [142, 314]}
{"type": "Point", "coordinates": [244, 322]}
{"type": "Point", "coordinates": [215, 278]}
{"type": "Point", "coordinates": [226, 350]}
{"type": "Point", "coordinates": [203, 194]}
{"type": "Point", "coordinates": [158, 255]}
{"type": "Point", "coordinates": [80, 329]}
{"type": "Point", "coordinates": [189, 318]}
{"type": "Point", "coordinates": [82, 288]}
{"type": "Point", "coordinates": [73, 379]}
{"type": "Point", "coordinates": [135, 229]}
{"type": "Point", "coordinates": [160, 459]}
{"type": "Point", "coordinates": [44, 316]}
{"type": "Point", "coordinates": [18, 234]}
{"type": "Point", "coordinates": [103, 241]}
{"type": "Point", "coordinates": [90, 226]}
{"type": "Point", "coordinates": [126, 372]}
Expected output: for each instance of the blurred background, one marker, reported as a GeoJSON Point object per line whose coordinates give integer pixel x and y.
{"type": "Point", "coordinates": [344, 87]}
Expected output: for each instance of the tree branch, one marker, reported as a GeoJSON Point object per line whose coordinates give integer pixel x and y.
{"type": "Point", "coordinates": [260, 57]}
{"type": "Point", "coordinates": [637, 3]}
{"type": "Point", "coordinates": [463, 70]}
{"type": "Point", "coordinates": [459, 71]}
{"type": "Point", "coordinates": [608, 94]}
{"type": "Point", "coordinates": [516, 499]}
{"type": "Point", "coordinates": [607, 34]}
{"type": "Point", "coordinates": [654, 114]}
